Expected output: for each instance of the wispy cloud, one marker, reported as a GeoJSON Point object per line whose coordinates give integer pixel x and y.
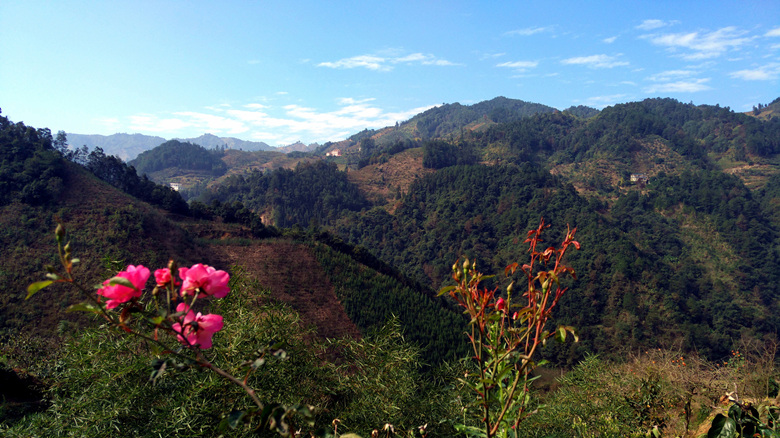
{"type": "Point", "coordinates": [610, 40]}
{"type": "Point", "coordinates": [682, 86]}
{"type": "Point", "coordinates": [370, 62]}
{"type": "Point", "coordinates": [767, 72]}
{"type": "Point", "coordinates": [701, 45]}
{"type": "Point", "coordinates": [528, 31]}
{"type": "Point", "coordinates": [596, 61]}
{"type": "Point", "coordinates": [520, 66]}
{"type": "Point", "coordinates": [670, 75]}
{"type": "Point", "coordinates": [602, 101]}
{"type": "Point", "coordinates": [773, 33]}
{"type": "Point", "coordinates": [484, 56]}
{"type": "Point", "coordinates": [385, 63]}
{"type": "Point", "coordinates": [274, 124]}
{"type": "Point", "coordinates": [655, 24]}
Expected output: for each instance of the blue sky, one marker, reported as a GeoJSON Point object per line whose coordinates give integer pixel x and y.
{"type": "Point", "coordinates": [282, 71]}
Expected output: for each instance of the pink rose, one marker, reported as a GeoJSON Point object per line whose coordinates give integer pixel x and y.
{"type": "Point", "coordinates": [206, 280]}
{"type": "Point", "coordinates": [196, 329]}
{"type": "Point", "coordinates": [118, 294]}
{"type": "Point", "coordinates": [163, 277]}
{"type": "Point", "coordinates": [501, 305]}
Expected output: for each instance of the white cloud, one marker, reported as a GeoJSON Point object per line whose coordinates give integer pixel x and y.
{"type": "Point", "coordinates": [519, 65]}
{"type": "Point", "coordinates": [352, 101]}
{"type": "Point", "coordinates": [485, 56]}
{"type": "Point", "coordinates": [273, 124]}
{"type": "Point", "coordinates": [670, 75]}
{"type": "Point", "coordinates": [773, 33]}
{"type": "Point", "coordinates": [596, 61]}
{"type": "Point", "coordinates": [697, 45]}
{"type": "Point", "coordinates": [110, 124]}
{"type": "Point", "coordinates": [213, 123]}
{"type": "Point", "coordinates": [255, 106]}
{"type": "Point", "coordinates": [528, 31]}
{"type": "Point", "coordinates": [367, 61]}
{"type": "Point", "coordinates": [149, 123]}
{"type": "Point", "coordinates": [385, 63]}
{"type": "Point", "coordinates": [764, 73]}
{"type": "Point", "coordinates": [654, 24]}
{"type": "Point", "coordinates": [684, 86]}
{"type": "Point", "coordinates": [610, 40]}
{"type": "Point", "coordinates": [602, 101]}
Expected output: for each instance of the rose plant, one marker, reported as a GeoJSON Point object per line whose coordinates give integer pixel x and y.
{"type": "Point", "coordinates": [507, 332]}
{"type": "Point", "coordinates": [167, 313]}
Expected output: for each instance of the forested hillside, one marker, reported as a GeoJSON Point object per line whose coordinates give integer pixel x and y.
{"type": "Point", "coordinates": [186, 156]}
{"type": "Point", "coordinates": [312, 194]}
{"type": "Point", "coordinates": [678, 250]}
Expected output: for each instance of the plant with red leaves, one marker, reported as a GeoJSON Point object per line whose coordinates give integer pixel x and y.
{"type": "Point", "coordinates": [506, 333]}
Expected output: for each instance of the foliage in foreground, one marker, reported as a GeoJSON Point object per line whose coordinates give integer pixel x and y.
{"type": "Point", "coordinates": [101, 381]}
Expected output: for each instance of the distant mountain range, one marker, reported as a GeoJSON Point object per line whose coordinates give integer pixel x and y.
{"type": "Point", "coordinates": [129, 146]}
{"type": "Point", "coordinates": [442, 121]}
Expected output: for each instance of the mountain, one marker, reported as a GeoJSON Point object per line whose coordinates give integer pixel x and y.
{"type": "Point", "coordinates": [675, 205]}
{"type": "Point", "coordinates": [210, 141]}
{"type": "Point", "coordinates": [129, 146]}
{"type": "Point", "coordinates": [444, 121]}
{"type": "Point", "coordinates": [298, 147]}
{"type": "Point", "coordinates": [124, 146]}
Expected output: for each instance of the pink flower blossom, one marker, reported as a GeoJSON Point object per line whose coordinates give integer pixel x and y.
{"type": "Point", "coordinates": [118, 294]}
{"type": "Point", "coordinates": [163, 277]}
{"type": "Point", "coordinates": [206, 280]}
{"type": "Point", "coordinates": [501, 305]}
{"type": "Point", "coordinates": [196, 329]}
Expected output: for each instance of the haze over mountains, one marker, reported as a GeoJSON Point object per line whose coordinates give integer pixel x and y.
{"type": "Point", "coordinates": [128, 146]}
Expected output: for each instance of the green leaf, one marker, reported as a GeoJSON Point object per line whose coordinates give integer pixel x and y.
{"type": "Point", "coordinates": [469, 430]}
{"type": "Point", "coordinates": [560, 334]}
{"type": "Point", "coordinates": [83, 307]}
{"type": "Point", "coordinates": [158, 369]}
{"type": "Point", "coordinates": [35, 287]}
{"type": "Point", "coordinates": [232, 420]}
{"type": "Point", "coordinates": [446, 290]}
{"type": "Point", "coordinates": [722, 427]}
{"type": "Point", "coordinates": [235, 417]}
{"type": "Point", "coordinates": [157, 320]}
{"type": "Point", "coordinates": [122, 282]}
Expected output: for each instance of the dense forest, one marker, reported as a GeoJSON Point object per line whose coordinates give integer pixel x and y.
{"type": "Point", "coordinates": [311, 194]}
{"type": "Point", "coordinates": [174, 153]}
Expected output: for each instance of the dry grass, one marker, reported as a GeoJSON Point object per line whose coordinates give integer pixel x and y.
{"type": "Point", "coordinates": [691, 390]}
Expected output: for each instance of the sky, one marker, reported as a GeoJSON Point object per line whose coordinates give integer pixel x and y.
{"type": "Point", "coordinates": [317, 71]}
